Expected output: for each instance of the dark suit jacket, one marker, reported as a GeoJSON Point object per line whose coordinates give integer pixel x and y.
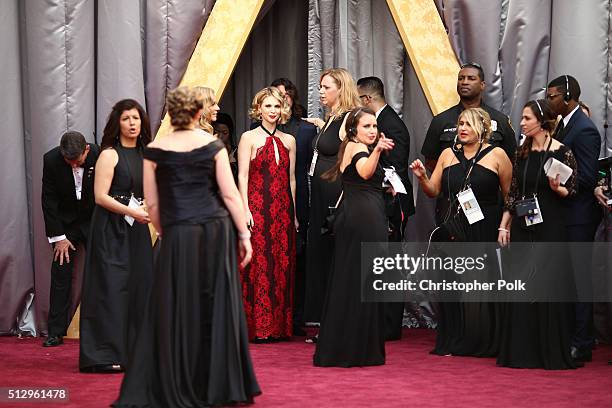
{"type": "Point", "coordinates": [583, 138]}
{"type": "Point", "coordinates": [394, 128]}
{"type": "Point", "coordinates": [62, 211]}
{"type": "Point", "coordinates": [304, 135]}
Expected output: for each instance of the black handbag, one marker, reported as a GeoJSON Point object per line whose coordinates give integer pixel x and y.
{"type": "Point", "coordinates": [525, 207]}
{"type": "Point", "coordinates": [331, 219]}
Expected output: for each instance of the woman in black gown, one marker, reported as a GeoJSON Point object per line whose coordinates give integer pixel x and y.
{"type": "Point", "coordinates": [470, 328]}
{"type": "Point", "coordinates": [352, 332]}
{"type": "Point", "coordinates": [338, 94]}
{"type": "Point", "coordinates": [119, 262]}
{"type": "Point", "coordinates": [192, 348]}
{"type": "Point", "coordinates": [538, 334]}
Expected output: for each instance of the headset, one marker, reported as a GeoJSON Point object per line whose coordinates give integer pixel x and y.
{"type": "Point", "coordinates": [540, 122]}
{"type": "Point", "coordinates": [353, 130]}
{"type": "Point", "coordinates": [540, 109]}
{"type": "Point", "coordinates": [567, 96]}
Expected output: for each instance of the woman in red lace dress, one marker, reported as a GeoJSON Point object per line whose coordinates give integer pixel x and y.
{"type": "Point", "coordinates": [266, 179]}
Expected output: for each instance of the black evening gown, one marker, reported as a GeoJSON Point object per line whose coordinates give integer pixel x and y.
{"type": "Point", "coordinates": [352, 332]}
{"type": "Point", "coordinates": [538, 334]}
{"type": "Point", "coordinates": [323, 194]}
{"type": "Point", "coordinates": [192, 348]}
{"type": "Point", "coordinates": [472, 328]}
{"type": "Point", "coordinates": [118, 273]}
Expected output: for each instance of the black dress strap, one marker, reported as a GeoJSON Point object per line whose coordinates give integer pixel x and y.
{"type": "Point", "coordinates": [358, 156]}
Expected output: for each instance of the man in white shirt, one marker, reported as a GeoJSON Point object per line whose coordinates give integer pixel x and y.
{"type": "Point", "coordinates": [67, 203]}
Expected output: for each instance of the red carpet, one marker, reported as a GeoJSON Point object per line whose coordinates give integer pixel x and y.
{"type": "Point", "coordinates": [411, 377]}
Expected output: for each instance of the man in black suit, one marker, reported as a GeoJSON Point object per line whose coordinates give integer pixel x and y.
{"type": "Point", "coordinates": [401, 206]}
{"type": "Point", "coordinates": [580, 134]}
{"type": "Point", "coordinates": [67, 203]}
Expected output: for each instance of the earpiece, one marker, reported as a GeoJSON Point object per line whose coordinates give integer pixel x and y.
{"type": "Point", "coordinates": [567, 96]}
{"type": "Point", "coordinates": [540, 109]}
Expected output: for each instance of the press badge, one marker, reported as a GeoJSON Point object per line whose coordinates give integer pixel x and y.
{"type": "Point", "coordinates": [313, 163]}
{"type": "Point", "coordinates": [470, 206]}
{"type": "Point", "coordinates": [536, 217]}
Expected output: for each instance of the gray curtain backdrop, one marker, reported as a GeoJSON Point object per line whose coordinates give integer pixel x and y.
{"type": "Point", "coordinates": [276, 48]}
{"type": "Point", "coordinates": [521, 44]}
{"type": "Point", "coordinates": [66, 62]}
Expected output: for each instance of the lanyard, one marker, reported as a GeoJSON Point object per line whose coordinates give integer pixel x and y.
{"type": "Point", "coordinates": [473, 161]}
{"type": "Point", "coordinates": [323, 129]}
{"type": "Point", "coordinates": [542, 160]}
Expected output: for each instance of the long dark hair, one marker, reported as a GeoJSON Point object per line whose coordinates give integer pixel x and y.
{"type": "Point", "coordinates": [112, 129]}
{"type": "Point", "coordinates": [544, 114]}
{"type": "Point", "coordinates": [297, 110]}
{"type": "Point", "coordinates": [351, 136]}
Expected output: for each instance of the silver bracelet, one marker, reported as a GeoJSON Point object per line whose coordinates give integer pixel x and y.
{"type": "Point", "coordinates": [244, 235]}
{"type": "Point", "coordinates": [503, 229]}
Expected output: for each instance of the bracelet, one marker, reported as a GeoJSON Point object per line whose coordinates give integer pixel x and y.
{"type": "Point", "coordinates": [503, 229]}
{"type": "Point", "coordinates": [244, 235]}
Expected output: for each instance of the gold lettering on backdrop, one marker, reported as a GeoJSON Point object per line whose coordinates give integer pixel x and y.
{"type": "Point", "coordinates": [429, 49]}
{"type": "Point", "coordinates": [231, 21]}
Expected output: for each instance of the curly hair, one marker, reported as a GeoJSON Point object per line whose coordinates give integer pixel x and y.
{"type": "Point", "coordinates": [255, 113]}
{"type": "Point", "coordinates": [183, 104]}
{"type": "Point", "coordinates": [208, 94]}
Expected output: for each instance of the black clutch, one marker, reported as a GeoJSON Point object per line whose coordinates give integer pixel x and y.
{"type": "Point", "coordinates": [331, 220]}
{"type": "Point", "coordinates": [526, 207]}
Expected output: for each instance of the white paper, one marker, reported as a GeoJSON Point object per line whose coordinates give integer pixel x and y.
{"type": "Point", "coordinates": [395, 180]}
{"type": "Point", "coordinates": [134, 203]}
{"type": "Point", "coordinates": [470, 206]}
{"type": "Point", "coordinates": [554, 167]}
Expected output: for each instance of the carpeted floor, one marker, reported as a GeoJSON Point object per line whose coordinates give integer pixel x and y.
{"type": "Point", "coordinates": [411, 378]}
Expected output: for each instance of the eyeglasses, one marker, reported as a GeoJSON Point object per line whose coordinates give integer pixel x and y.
{"type": "Point", "coordinates": [552, 96]}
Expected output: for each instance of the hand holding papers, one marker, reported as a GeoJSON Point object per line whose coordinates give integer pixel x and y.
{"type": "Point", "coordinates": [554, 167]}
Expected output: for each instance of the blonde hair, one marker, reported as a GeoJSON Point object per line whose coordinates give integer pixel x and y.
{"type": "Point", "coordinates": [209, 100]}
{"type": "Point", "coordinates": [254, 112]}
{"type": "Point", "coordinates": [479, 120]}
{"type": "Point", "coordinates": [183, 103]}
{"type": "Point", "coordinates": [349, 98]}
